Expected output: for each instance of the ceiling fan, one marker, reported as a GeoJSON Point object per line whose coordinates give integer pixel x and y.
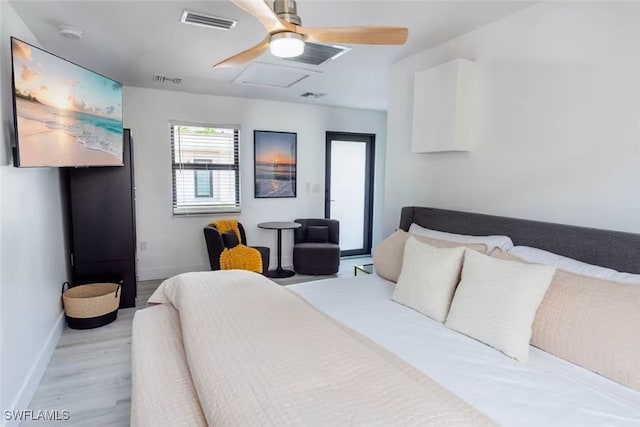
{"type": "Point", "coordinates": [286, 35]}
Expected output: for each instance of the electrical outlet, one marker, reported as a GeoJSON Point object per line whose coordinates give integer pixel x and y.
{"type": "Point", "coordinates": [143, 246]}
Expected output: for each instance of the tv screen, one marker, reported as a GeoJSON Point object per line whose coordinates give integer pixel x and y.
{"type": "Point", "coordinates": [65, 115]}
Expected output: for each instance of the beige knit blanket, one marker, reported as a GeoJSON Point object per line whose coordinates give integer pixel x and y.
{"type": "Point", "coordinates": [259, 355]}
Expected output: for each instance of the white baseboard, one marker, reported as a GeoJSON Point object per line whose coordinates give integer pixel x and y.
{"type": "Point", "coordinates": [31, 382]}
{"type": "Point", "coordinates": [287, 262]}
{"type": "Point", "coordinates": [159, 273]}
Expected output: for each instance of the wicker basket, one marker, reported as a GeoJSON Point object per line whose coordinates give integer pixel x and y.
{"type": "Point", "coordinates": [91, 306]}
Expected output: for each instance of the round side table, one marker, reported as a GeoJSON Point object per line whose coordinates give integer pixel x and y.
{"type": "Point", "coordinates": [279, 273]}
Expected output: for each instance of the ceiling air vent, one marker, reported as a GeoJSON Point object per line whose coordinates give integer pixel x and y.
{"type": "Point", "coordinates": [314, 95]}
{"type": "Point", "coordinates": [204, 20]}
{"type": "Point", "coordinates": [318, 54]}
{"type": "Point", "coordinates": [164, 79]}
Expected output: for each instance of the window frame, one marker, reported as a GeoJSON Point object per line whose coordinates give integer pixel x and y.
{"type": "Point", "coordinates": [181, 211]}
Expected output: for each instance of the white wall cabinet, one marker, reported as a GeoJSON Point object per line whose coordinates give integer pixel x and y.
{"type": "Point", "coordinates": [442, 107]}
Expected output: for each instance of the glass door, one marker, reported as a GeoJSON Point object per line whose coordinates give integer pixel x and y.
{"type": "Point", "coordinates": [349, 189]}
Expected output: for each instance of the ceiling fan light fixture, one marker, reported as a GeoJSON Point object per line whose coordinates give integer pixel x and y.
{"type": "Point", "coordinates": [286, 45]}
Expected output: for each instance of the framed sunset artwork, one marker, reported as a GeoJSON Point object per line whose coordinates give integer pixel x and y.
{"type": "Point", "coordinates": [275, 164]}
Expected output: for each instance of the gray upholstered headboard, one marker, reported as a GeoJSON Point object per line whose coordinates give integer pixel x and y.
{"type": "Point", "coordinates": [613, 249]}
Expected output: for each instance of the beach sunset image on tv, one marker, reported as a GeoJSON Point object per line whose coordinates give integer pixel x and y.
{"type": "Point", "coordinates": [275, 164]}
{"type": "Point", "coordinates": [66, 115]}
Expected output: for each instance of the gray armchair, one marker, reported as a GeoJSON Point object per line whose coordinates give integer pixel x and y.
{"type": "Point", "coordinates": [316, 250]}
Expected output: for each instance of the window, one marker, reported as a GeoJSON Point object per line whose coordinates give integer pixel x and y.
{"type": "Point", "coordinates": [205, 168]}
{"type": "Point", "coordinates": [204, 180]}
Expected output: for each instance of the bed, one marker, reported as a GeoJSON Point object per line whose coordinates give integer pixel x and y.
{"type": "Point", "coordinates": [471, 379]}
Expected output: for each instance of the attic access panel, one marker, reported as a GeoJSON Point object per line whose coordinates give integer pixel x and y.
{"type": "Point", "coordinates": [270, 75]}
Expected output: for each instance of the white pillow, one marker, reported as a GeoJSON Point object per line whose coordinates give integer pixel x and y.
{"type": "Point", "coordinates": [428, 278]}
{"type": "Point", "coordinates": [492, 242]}
{"type": "Point", "coordinates": [496, 302]}
{"type": "Point", "coordinates": [573, 265]}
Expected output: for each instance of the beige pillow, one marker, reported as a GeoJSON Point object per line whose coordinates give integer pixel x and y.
{"type": "Point", "coordinates": [428, 278]}
{"type": "Point", "coordinates": [496, 302]}
{"type": "Point", "coordinates": [387, 258]}
{"type": "Point", "coordinates": [593, 323]}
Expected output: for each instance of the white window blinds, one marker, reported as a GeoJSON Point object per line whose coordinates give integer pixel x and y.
{"type": "Point", "coordinates": [205, 169]}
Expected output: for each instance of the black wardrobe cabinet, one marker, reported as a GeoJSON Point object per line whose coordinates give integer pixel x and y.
{"type": "Point", "coordinates": [102, 223]}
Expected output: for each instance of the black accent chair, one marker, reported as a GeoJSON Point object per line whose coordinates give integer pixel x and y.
{"type": "Point", "coordinates": [215, 246]}
{"type": "Point", "coordinates": [316, 249]}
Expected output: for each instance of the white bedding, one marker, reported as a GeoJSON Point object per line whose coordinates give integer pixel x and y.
{"type": "Point", "coordinates": [546, 391]}
{"type": "Point", "coordinates": [247, 352]}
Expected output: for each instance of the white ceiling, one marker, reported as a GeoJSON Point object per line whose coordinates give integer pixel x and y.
{"type": "Point", "coordinates": [130, 41]}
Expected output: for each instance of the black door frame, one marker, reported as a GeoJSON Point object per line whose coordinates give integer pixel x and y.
{"type": "Point", "coordinates": [370, 141]}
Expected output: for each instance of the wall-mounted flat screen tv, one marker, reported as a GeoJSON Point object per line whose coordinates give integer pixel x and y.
{"type": "Point", "coordinates": [65, 115]}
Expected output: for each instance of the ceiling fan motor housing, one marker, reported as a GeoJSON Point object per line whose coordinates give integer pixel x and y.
{"type": "Point", "coordinates": [287, 10]}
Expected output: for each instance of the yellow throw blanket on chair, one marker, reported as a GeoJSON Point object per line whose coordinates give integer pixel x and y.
{"type": "Point", "coordinates": [240, 257]}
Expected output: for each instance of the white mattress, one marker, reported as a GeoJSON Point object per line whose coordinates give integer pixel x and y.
{"type": "Point", "coordinates": [546, 391]}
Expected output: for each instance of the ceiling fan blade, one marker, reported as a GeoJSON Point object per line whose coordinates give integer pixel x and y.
{"type": "Point", "coordinates": [356, 35]}
{"type": "Point", "coordinates": [245, 56]}
{"type": "Point", "coordinates": [263, 13]}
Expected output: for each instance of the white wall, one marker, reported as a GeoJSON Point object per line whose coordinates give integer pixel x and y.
{"type": "Point", "coordinates": [32, 251]}
{"type": "Point", "coordinates": [176, 244]}
{"type": "Point", "coordinates": [557, 135]}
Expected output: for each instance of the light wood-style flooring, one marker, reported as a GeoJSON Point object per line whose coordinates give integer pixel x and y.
{"type": "Point", "coordinates": [90, 371]}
